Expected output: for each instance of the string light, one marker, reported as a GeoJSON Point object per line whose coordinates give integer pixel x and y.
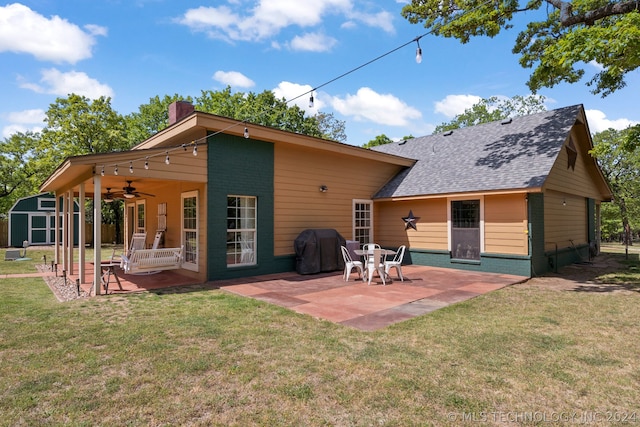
{"type": "Point", "coordinates": [309, 92]}
{"type": "Point", "coordinates": [130, 167]}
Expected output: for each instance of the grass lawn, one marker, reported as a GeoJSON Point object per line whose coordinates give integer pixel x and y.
{"type": "Point", "coordinates": [520, 355]}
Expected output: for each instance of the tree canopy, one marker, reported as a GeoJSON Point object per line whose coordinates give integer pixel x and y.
{"type": "Point", "coordinates": [621, 168]}
{"type": "Point", "coordinates": [571, 34]}
{"type": "Point", "coordinates": [493, 109]}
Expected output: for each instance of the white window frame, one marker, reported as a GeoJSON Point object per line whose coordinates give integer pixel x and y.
{"type": "Point", "coordinates": [252, 258]}
{"type": "Point", "coordinates": [354, 219]}
{"type": "Point", "coordinates": [138, 228]}
{"type": "Point", "coordinates": [189, 263]}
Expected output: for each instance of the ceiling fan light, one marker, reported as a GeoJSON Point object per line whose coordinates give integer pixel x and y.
{"type": "Point", "coordinates": [129, 195]}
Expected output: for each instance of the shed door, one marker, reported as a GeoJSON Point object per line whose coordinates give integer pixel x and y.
{"type": "Point", "coordinates": [40, 231]}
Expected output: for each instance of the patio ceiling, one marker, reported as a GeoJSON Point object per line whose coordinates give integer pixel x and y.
{"type": "Point", "coordinates": [81, 169]}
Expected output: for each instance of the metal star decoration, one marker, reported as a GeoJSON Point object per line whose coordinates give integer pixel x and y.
{"type": "Point", "coordinates": [410, 221]}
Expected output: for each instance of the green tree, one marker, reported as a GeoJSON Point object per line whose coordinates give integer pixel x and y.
{"type": "Point", "coordinates": [569, 35]}
{"type": "Point", "coordinates": [621, 168]}
{"type": "Point", "coordinates": [76, 126]}
{"type": "Point", "coordinates": [493, 109]}
{"type": "Point", "coordinates": [378, 140]}
{"type": "Point", "coordinates": [17, 169]}
{"type": "Point", "coordinates": [267, 110]}
{"type": "Point", "coordinates": [150, 118]}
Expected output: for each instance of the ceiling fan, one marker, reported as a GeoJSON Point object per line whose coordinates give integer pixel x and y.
{"type": "Point", "coordinates": [130, 192]}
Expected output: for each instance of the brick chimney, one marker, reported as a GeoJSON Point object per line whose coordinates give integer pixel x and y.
{"type": "Point", "coordinates": [178, 110]}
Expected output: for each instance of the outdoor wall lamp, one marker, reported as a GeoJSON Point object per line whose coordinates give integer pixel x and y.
{"type": "Point", "coordinates": [323, 188]}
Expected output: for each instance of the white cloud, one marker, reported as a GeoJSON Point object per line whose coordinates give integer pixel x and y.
{"type": "Point", "coordinates": [27, 116]}
{"type": "Point", "coordinates": [48, 39]}
{"type": "Point", "coordinates": [234, 21]}
{"type": "Point", "coordinates": [382, 20]}
{"type": "Point", "coordinates": [384, 109]}
{"type": "Point", "coordinates": [233, 79]}
{"type": "Point", "coordinates": [294, 92]}
{"type": "Point", "coordinates": [62, 84]}
{"type": "Point", "coordinates": [599, 122]}
{"type": "Point", "coordinates": [313, 42]}
{"type": "Point", "coordinates": [97, 30]}
{"type": "Point", "coordinates": [23, 121]}
{"type": "Point", "coordinates": [453, 105]}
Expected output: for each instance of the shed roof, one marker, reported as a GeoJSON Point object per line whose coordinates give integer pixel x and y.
{"type": "Point", "coordinates": [503, 155]}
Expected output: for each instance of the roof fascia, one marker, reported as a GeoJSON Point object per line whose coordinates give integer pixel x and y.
{"type": "Point", "coordinates": [205, 122]}
{"type": "Point", "coordinates": [461, 195]}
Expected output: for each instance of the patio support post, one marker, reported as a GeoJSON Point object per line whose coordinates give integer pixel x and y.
{"type": "Point", "coordinates": [82, 235]}
{"type": "Point", "coordinates": [65, 232]}
{"type": "Point", "coordinates": [56, 229]}
{"type": "Point", "coordinates": [71, 213]}
{"type": "Point", "coordinates": [97, 233]}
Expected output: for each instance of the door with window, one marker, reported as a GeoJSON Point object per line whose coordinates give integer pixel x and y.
{"type": "Point", "coordinates": [190, 230]}
{"type": "Point", "coordinates": [465, 229]}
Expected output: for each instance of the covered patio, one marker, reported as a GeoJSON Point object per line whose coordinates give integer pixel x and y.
{"type": "Point", "coordinates": [327, 296]}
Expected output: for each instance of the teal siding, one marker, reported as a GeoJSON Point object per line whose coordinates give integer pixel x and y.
{"type": "Point", "coordinates": [490, 263]}
{"type": "Point", "coordinates": [239, 166]}
{"type": "Point", "coordinates": [539, 260]}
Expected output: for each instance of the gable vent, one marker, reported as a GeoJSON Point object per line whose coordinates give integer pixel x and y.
{"type": "Point", "coordinates": [506, 121]}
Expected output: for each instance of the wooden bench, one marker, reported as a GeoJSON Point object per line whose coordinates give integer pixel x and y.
{"type": "Point", "coordinates": [152, 260]}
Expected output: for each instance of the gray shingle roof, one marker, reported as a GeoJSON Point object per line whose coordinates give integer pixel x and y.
{"type": "Point", "coordinates": [490, 156]}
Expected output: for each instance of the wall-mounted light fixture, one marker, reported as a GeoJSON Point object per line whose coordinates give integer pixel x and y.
{"type": "Point", "coordinates": [323, 188]}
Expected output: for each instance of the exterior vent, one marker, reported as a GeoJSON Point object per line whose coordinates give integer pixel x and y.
{"type": "Point", "coordinates": [404, 141]}
{"type": "Point", "coordinates": [506, 121]}
{"type": "Point", "coordinates": [447, 133]}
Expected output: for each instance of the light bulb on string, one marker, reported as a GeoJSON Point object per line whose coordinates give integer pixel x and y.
{"type": "Point", "coordinates": [184, 146]}
{"type": "Point", "coordinates": [166, 159]}
{"type": "Point", "coordinates": [115, 170]}
{"type": "Point", "coordinates": [311, 100]}
{"type": "Point", "coordinates": [418, 52]}
{"type": "Point", "coordinates": [102, 172]}
{"type": "Point", "coordinates": [130, 167]}
{"type": "Point", "coordinates": [195, 149]}
{"type": "Point", "coordinates": [246, 132]}
{"type": "Point", "coordinates": [146, 162]}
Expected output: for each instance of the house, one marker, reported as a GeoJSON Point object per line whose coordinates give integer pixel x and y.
{"type": "Point", "coordinates": [496, 197]}
{"type": "Point", "coordinates": [32, 219]}
{"type": "Point", "coordinates": [518, 196]}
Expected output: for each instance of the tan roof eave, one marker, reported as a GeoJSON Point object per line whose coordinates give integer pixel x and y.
{"type": "Point", "coordinates": [200, 123]}
{"type": "Point", "coordinates": [460, 195]}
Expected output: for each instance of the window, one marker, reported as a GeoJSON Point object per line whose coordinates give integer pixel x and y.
{"type": "Point", "coordinates": [241, 230]}
{"type": "Point", "coordinates": [140, 217]}
{"type": "Point", "coordinates": [465, 229]}
{"type": "Point", "coordinates": [190, 230]}
{"type": "Point", "coordinates": [363, 221]}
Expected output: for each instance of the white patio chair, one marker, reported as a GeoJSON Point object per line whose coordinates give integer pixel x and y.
{"type": "Point", "coordinates": [350, 264]}
{"type": "Point", "coordinates": [375, 264]}
{"type": "Point", "coordinates": [396, 263]}
{"type": "Point", "coordinates": [137, 242]}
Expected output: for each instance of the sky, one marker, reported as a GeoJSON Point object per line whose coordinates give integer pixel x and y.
{"type": "Point", "coordinates": [359, 56]}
